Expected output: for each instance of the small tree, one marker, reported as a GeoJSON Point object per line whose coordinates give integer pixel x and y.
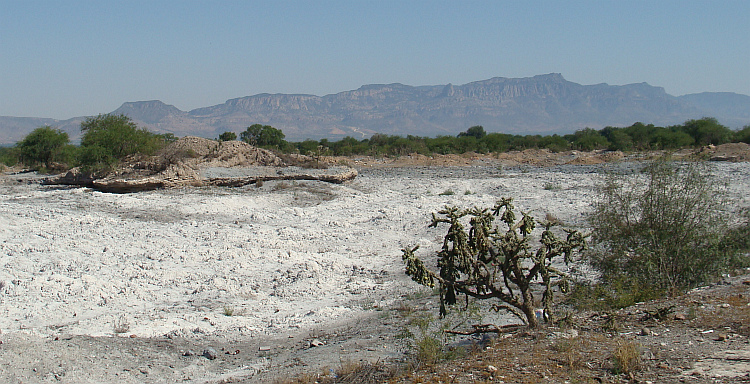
{"type": "Point", "coordinates": [43, 145]}
{"type": "Point", "coordinates": [263, 136]}
{"type": "Point", "coordinates": [589, 139]}
{"type": "Point", "coordinates": [476, 131]}
{"type": "Point", "coordinates": [486, 263]}
{"type": "Point", "coordinates": [228, 136]}
{"type": "Point", "coordinates": [743, 135]}
{"type": "Point", "coordinates": [109, 138]}
{"type": "Point", "coordinates": [707, 131]}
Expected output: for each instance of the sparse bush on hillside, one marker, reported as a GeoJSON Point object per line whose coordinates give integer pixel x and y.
{"type": "Point", "coordinates": [484, 262]}
{"type": "Point", "coordinates": [665, 234]}
{"type": "Point", "coordinates": [228, 136]}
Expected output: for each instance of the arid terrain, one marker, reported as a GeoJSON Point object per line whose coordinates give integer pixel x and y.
{"type": "Point", "coordinates": [293, 277]}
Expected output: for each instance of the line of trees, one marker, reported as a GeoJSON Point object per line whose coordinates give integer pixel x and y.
{"type": "Point", "coordinates": [107, 139]}
{"type": "Point", "coordinates": [637, 137]}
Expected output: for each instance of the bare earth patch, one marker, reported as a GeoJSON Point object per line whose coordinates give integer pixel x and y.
{"type": "Point", "coordinates": [297, 279]}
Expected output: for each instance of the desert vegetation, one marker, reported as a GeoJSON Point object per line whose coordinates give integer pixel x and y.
{"type": "Point", "coordinates": [485, 262]}
{"type": "Point", "coordinates": [653, 234]}
{"type": "Point", "coordinates": [108, 139]}
{"type": "Point", "coordinates": [637, 137]}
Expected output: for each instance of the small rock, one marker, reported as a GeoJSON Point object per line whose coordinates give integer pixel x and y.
{"type": "Point", "coordinates": [317, 343]}
{"type": "Point", "coordinates": [680, 316]}
{"type": "Point", "coordinates": [725, 305]}
{"type": "Point", "coordinates": [188, 353]}
{"type": "Point", "coordinates": [645, 332]}
{"type": "Point", "coordinates": [210, 353]}
{"type": "Point", "coordinates": [569, 334]}
{"type": "Point", "coordinates": [746, 282]}
{"type": "Point", "coordinates": [264, 348]}
{"type": "Point", "coordinates": [491, 369]}
{"type": "Point", "coordinates": [721, 337]}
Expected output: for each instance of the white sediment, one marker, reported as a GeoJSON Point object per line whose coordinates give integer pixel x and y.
{"type": "Point", "coordinates": [287, 255]}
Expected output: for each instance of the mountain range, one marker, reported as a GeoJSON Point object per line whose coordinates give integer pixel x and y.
{"type": "Point", "coordinates": [543, 104]}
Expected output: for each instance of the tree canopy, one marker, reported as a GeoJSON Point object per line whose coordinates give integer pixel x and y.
{"type": "Point", "coordinates": [263, 136]}
{"type": "Point", "coordinates": [228, 136]}
{"type": "Point", "coordinates": [109, 138]}
{"type": "Point", "coordinates": [43, 146]}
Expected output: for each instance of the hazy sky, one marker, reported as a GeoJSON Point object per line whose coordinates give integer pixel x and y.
{"type": "Point", "coordinates": [63, 59]}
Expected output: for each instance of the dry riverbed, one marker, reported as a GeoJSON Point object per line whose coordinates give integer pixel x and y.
{"type": "Point", "coordinates": [214, 284]}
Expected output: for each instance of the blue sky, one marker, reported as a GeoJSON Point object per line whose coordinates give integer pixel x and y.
{"type": "Point", "coordinates": [63, 59]}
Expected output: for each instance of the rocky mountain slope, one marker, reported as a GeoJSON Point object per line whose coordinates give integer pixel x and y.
{"type": "Point", "coordinates": [542, 104]}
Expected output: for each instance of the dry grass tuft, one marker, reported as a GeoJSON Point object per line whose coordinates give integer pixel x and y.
{"type": "Point", "coordinates": [627, 357]}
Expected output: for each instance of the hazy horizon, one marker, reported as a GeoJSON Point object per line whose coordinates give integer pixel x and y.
{"type": "Point", "coordinates": [78, 58]}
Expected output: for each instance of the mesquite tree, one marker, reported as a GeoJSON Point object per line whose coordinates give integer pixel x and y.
{"type": "Point", "coordinates": [486, 263]}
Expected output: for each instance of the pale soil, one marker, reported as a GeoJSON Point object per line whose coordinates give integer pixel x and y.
{"type": "Point", "coordinates": [292, 262]}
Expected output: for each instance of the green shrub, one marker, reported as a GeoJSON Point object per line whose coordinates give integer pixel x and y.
{"type": "Point", "coordinates": [9, 156]}
{"type": "Point", "coordinates": [228, 136]}
{"type": "Point", "coordinates": [111, 138]}
{"type": "Point", "coordinates": [42, 147]}
{"type": "Point", "coordinates": [665, 232]}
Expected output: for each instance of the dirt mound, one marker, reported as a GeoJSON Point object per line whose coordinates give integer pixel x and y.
{"type": "Point", "coordinates": [190, 161]}
{"type": "Point", "coordinates": [211, 153]}
{"type": "Point", "coordinates": [726, 152]}
{"type": "Point", "coordinates": [591, 158]}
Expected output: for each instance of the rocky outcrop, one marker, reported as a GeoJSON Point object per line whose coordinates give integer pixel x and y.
{"type": "Point", "coordinates": [194, 161]}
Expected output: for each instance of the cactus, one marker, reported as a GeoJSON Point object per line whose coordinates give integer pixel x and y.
{"type": "Point", "coordinates": [485, 263]}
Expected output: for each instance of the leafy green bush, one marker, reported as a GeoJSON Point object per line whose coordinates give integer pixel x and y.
{"type": "Point", "coordinates": [228, 136]}
{"type": "Point", "coordinates": [743, 135]}
{"type": "Point", "coordinates": [707, 131]}
{"type": "Point", "coordinates": [9, 156]}
{"type": "Point", "coordinates": [665, 232]}
{"type": "Point", "coordinates": [263, 136]}
{"type": "Point", "coordinates": [110, 138]}
{"type": "Point", "coordinates": [42, 147]}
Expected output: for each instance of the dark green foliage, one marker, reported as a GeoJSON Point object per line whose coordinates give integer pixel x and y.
{"type": "Point", "coordinates": [263, 136]}
{"type": "Point", "coordinates": [484, 262]}
{"type": "Point", "coordinates": [554, 143]}
{"type": "Point", "coordinates": [228, 136]}
{"type": "Point", "coordinates": [663, 233]}
{"type": "Point", "coordinates": [618, 139]}
{"type": "Point", "coordinates": [665, 138]}
{"type": "Point", "coordinates": [743, 135]}
{"type": "Point", "coordinates": [638, 137]}
{"type": "Point", "coordinates": [9, 156]}
{"type": "Point", "coordinates": [476, 132]}
{"type": "Point", "coordinates": [44, 146]}
{"type": "Point", "coordinates": [589, 139]}
{"type": "Point", "coordinates": [707, 131]}
{"type": "Point", "coordinates": [110, 138]}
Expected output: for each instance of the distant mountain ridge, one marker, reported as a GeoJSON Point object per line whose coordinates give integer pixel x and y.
{"type": "Point", "coordinates": [543, 104]}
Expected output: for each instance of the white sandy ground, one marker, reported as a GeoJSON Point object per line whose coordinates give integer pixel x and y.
{"type": "Point", "coordinates": [284, 258]}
